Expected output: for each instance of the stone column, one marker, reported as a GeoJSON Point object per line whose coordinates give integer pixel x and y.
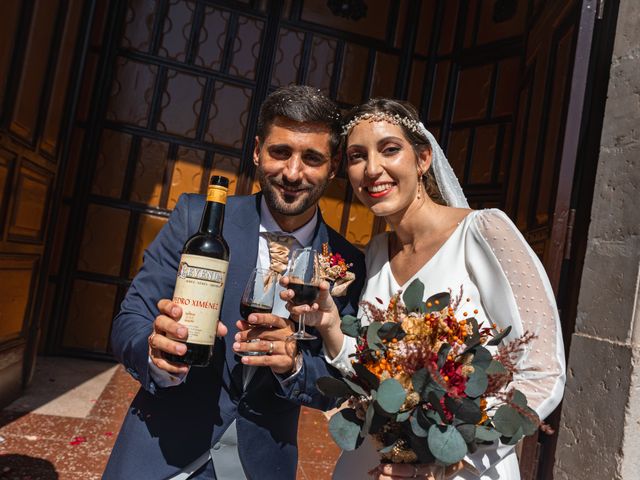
{"type": "Point", "coordinates": [599, 434]}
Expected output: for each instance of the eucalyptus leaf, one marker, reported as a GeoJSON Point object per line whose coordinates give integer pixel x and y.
{"type": "Point", "coordinates": [416, 428]}
{"type": "Point", "coordinates": [373, 339]}
{"type": "Point", "coordinates": [473, 339]}
{"type": "Point", "coordinates": [472, 447]}
{"type": "Point", "coordinates": [357, 389]}
{"type": "Point", "coordinates": [379, 418]}
{"type": "Point", "coordinates": [481, 358]}
{"type": "Point", "coordinates": [497, 338]}
{"type": "Point", "coordinates": [514, 439]}
{"type": "Point", "coordinates": [333, 387]}
{"type": "Point", "coordinates": [368, 418]}
{"type": "Point", "coordinates": [412, 296]}
{"type": "Point", "coordinates": [477, 383]}
{"type": "Point", "coordinates": [507, 421]}
{"type": "Point", "coordinates": [403, 416]}
{"type": "Point", "coordinates": [433, 416]}
{"type": "Point", "coordinates": [446, 444]}
{"type": "Point", "coordinates": [437, 302]}
{"type": "Point", "coordinates": [391, 395]}
{"type": "Point", "coordinates": [530, 421]}
{"type": "Point", "coordinates": [427, 417]}
{"type": "Point", "coordinates": [519, 398]}
{"type": "Point", "coordinates": [528, 426]}
{"type": "Point", "coordinates": [434, 399]}
{"type": "Point", "coordinates": [419, 446]}
{"type": "Point", "coordinates": [391, 330]}
{"type": "Point", "coordinates": [420, 380]}
{"type": "Point", "coordinates": [365, 375]}
{"type": "Point", "coordinates": [464, 409]}
{"type": "Point", "coordinates": [350, 326]}
{"type": "Point", "coordinates": [423, 383]}
{"type": "Point", "coordinates": [442, 354]}
{"type": "Point", "coordinates": [496, 368]}
{"type": "Point", "coordinates": [344, 428]}
{"type": "Point", "coordinates": [468, 432]}
{"type": "Point", "coordinates": [485, 434]}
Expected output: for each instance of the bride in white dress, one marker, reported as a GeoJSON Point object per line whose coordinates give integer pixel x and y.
{"type": "Point", "coordinates": [397, 170]}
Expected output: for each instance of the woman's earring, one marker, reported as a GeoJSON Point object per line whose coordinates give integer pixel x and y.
{"type": "Point", "coordinates": [419, 185]}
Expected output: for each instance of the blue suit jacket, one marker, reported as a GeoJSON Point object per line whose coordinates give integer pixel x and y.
{"type": "Point", "coordinates": [167, 428]}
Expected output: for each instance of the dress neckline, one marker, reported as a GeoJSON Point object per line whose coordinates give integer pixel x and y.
{"type": "Point", "coordinates": [430, 260]}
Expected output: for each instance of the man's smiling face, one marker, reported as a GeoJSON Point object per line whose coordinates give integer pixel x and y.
{"type": "Point", "coordinates": [294, 166]}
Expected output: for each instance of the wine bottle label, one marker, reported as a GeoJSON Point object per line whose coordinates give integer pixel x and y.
{"type": "Point", "coordinates": [216, 193]}
{"type": "Point", "coordinates": [199, 287]}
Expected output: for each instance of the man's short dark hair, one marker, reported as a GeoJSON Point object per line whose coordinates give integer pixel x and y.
{"type": "Point", "coordinates": [302, 104]}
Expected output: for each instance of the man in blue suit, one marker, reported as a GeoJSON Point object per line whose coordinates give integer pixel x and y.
{"type": "Point", "coordinates": [229, 420]}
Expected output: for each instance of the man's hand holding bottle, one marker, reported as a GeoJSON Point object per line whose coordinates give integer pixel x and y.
{"type": "Point", "coordinates": [167, 323]}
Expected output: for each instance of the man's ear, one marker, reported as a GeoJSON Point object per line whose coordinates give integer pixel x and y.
{"type": "Point", "coordinates": [335, 165]}
{"type": "Point", "coordinates": [256, 152]}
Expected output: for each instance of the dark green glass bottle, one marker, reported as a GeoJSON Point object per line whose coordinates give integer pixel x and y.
{"type": "Point", "coordinates": [201, 276]}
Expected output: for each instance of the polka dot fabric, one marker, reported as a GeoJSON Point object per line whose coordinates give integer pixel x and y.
{"type": "Point", "coordinates": [532, 306]}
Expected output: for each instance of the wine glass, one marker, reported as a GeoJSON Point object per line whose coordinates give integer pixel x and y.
{"type": "Point", "coordinates": [258, 297]}
{"type": "Point", "coordinates": [304, 280]}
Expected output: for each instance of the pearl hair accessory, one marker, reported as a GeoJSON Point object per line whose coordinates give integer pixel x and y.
{"type": "Point", "coordinates": [413, 125]}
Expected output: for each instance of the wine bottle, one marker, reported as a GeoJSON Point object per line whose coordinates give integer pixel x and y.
{"type": "Point", "coordinates": [200, 281]}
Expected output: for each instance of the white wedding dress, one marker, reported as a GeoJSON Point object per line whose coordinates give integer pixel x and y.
{"type": "Point", "coordinates": [503, 279]}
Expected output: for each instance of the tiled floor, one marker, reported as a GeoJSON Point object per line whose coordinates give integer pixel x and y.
{"type": "Point", "coordinates": [65, 425]}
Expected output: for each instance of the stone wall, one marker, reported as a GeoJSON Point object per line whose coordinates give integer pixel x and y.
{"type": "Point", "coordinates": [600, 427]}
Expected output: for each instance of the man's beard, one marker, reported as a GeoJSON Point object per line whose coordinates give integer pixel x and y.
{"type": "Point", "coordinates": [307, 200]}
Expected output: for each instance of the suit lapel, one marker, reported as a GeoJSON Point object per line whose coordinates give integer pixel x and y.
{"type": "Point", "coordinates": [241, 231]}
{"type": "Point", "coordinates": [320, 235]}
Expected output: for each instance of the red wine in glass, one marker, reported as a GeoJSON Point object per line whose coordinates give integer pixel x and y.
{"type": "Point", "coordinates": [247, 309]}
{"type": "Point", "coordinates": [258, 297]}
{"type": "Point", "coordinates": [304, 280]}
{"type": "Point", "coordinates": [305, 294]}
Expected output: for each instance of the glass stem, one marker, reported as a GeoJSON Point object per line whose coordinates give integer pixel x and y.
{"type": "Point", "coordinates": [301, 331]}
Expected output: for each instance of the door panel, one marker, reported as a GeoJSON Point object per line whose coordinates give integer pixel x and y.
{"type": "Point", "coordinates": [39, 65]}
{"type": "Point", "coordinates": [542, 114]}
{"type": "Point", "coordinates": [535, 189]}
{"type": "Point", "coordinates": [89, 300]}
{"type": "Point", "coordinates": [17, 276]}
{"type": "Point", "coordinates": [31, 88]}
{"type": "Point", "coordinates": [9, 24]}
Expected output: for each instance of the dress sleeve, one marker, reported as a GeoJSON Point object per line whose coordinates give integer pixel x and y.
{"type": "Point", "coordinates": [342, 361]}
{"type": "Point", "coordinates": [514, 290]}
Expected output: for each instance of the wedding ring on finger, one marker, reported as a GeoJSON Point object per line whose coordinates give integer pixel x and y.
{"type": "Point", "coordinates": [270, 348]}
{"type": "Point", "coordinates": [150, 339]}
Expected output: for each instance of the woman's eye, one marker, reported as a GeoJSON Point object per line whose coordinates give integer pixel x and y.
{"type": "Point", "coordinates": [355, 156]}
{"type": "Point", "coordinates": [391, 150]}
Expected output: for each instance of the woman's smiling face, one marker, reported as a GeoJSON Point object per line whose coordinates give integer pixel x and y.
{"type": "Point", "coordinates": [383, 167]}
